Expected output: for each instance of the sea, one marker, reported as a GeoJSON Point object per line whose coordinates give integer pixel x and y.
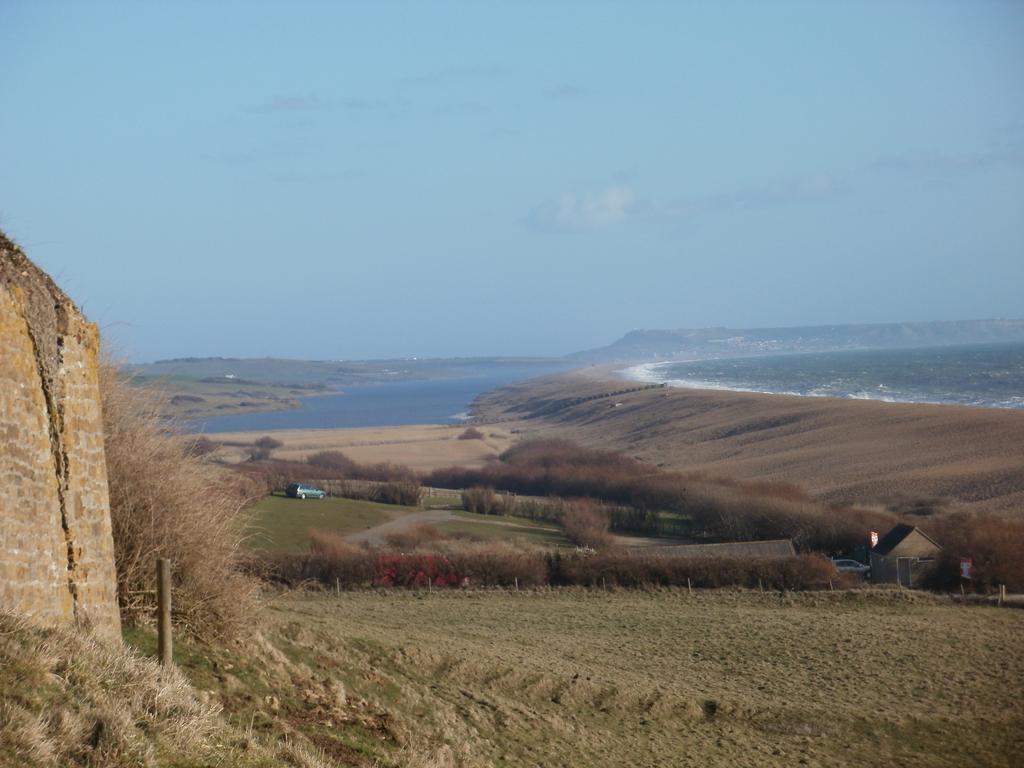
{"type": "Point", "coordinates": [430, 401]}
{"type": "Point", "coordinates": [984, 375]}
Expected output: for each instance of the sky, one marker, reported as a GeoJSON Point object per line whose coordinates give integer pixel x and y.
{"type": "Point", "coordinates": [384, 179]}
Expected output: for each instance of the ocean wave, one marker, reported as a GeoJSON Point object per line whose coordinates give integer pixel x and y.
{"type": "Point", "coordinates": [655, 373]}
{"type": "Point", "coordinates": [648, 373]}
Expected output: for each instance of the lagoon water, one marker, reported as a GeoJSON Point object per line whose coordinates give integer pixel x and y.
{"type": "Point", "coordinates": [434, 401]}
{"type": "Point", "coordinates": [989, 375]}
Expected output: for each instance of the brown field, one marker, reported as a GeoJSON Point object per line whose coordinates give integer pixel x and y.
{"type": "Point", "coordinates": [423, 447]}
{"type": "Point", "coordinates": [717, 678]}
{"type": "Point", "coordinates": [841, 450]}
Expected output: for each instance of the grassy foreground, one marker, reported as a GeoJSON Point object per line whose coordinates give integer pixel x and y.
{"type": "Point", "coordinates": [568, 678]}
{"type": "Point", "coordinates": [455, 679]}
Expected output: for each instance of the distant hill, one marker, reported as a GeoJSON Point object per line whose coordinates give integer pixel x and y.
{"type": "Point", "coordinates": [306, 374]}
{"type": "Point", "coordinates": [737, 342]}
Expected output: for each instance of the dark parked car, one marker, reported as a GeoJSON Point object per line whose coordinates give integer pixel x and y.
{"type": "Point", "coordinates": [300, 491]}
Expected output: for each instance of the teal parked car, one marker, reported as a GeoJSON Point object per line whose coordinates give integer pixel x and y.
{"type": "Point", "coordinates": [300, 491]}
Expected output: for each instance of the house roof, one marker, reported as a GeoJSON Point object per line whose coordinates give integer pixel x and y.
{"type": "Point", "coordinates": [893, 538]}
{"type": "Point", "coordinates": [774, 548]}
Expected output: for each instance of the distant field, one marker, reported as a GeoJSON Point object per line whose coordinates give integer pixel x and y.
{"type": "Point", "coordinates": [587, 678]}
{"type": "Point", "coordinates": [192, 399]}
{"type": "Point", "coordinates": [423, 447]}
{"type": "Point", "coordinates": [281, 524]}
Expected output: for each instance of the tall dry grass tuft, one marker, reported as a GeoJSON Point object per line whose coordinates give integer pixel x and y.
{"type": "Point", "coordinates": [166, 502]}
{"type": "Point", "coordinates": [73, 699]}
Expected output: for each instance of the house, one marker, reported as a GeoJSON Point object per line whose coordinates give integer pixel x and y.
{"type": "Point", "coordinates": [902, 556]}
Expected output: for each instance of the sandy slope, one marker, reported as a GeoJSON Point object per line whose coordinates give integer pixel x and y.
{"type": "Point", "coordinates": [843, 450]}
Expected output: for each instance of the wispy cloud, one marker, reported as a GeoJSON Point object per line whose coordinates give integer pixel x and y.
{"type": "Point", "coordinates": [583, 211]}
{"type": "Point", "coordinates": [464, 108]}
{"type": "Point", "coordinates": [565, 92]}
{"type": "Point", "coordinates": [230, 157]}
{"type": "Point", "coordinates": [943, 163]}
{"type": "Point", "coordinates": [290, 103]}
{"type": "Point", "coordinates": [800, 189]}
{"type": "Point", "coordinates": [313, 103]}
{"type": "Point", "coordinates": [452, 76]}
{"type": "Point", "coordinates": [359, 104]}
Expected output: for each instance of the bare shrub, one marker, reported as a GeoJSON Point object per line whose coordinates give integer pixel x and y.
{"type": "Point", "coordinates": [164, 504]}
{"type": "Point", "coordinates": [414, 537]}
{"type": "Point", "coordinates": [497, 564]}
{"type": "Point", "coordinates": [995, 546]}
{"type": "Point", "coordinates": [637, 570]}
{"type": "Point", "coordinates": [335, 461]}
{"type": "Point", "coordinates": [262, 448]}
{"type": "Point", "coordinates": [384, 483]}
{"type": "Point", "coordinates": [484, 501]}
{"type": "Point", "coordinates": [699, 507]}
{"type": "Point", "coordinates": [471, 433]}
{"type": "Point", "coordinates": [403, 493]}
{"type": "Point", "coordinates": [548, 510]}
{"type": "Point", "coordinates": [332, 561]}
{"type": "Point", "coordinates": [586, 524]}
{"type": "Point", "coordinates": [201, 446]}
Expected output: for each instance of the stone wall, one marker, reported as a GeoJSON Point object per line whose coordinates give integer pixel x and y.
{"type": "Point", "coordinates": [56, 548]}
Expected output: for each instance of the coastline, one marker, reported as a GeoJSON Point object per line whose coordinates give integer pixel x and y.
{"type": "Point", "coordinates": [842, 450]}
{"type": "Point", "coordinates": [989, 383]}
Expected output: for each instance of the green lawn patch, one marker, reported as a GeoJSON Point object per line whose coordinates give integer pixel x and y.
{"type": "Point", "coordinates": [281, 524]}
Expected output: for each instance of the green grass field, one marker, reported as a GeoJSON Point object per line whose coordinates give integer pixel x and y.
{"type": "Point", "coordinates": [281, 524]}
{"type": "Point", "coordinates": [440, 497]}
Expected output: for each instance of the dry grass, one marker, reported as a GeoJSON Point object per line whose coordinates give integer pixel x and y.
{"type": "Point", "coordinates": [166, 502]}
{"type": "Point", "coordinates": [71, 699]}
{"type": "Point", "coordinates": [424, 447]}
{"type": "Point", "coordinates": [572, 678]}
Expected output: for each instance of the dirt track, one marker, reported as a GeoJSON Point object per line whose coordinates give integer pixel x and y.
{"type": "Point", "coordinates": [378, 533]}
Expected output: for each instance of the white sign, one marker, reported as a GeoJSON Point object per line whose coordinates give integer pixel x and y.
{"type": "Point", "coordinates": [874, 539]}
{"type": "Point", "coordinates": [965, 568]}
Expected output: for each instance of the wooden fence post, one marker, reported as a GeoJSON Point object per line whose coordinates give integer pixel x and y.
{"type": "Point", "coordinates": [163, 616]}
